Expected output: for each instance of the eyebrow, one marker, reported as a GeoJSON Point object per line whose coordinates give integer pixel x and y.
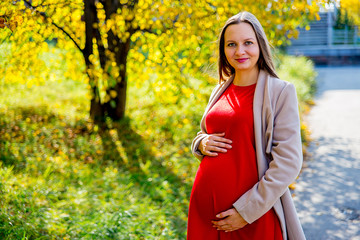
{"type": "Point", "coordinates": [244, 40]}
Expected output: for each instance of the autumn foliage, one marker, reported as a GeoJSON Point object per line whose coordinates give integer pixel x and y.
{"type": "Point", "coordinates": [110, 43]}
{"type": "Point", "coordinates": [351, 8]}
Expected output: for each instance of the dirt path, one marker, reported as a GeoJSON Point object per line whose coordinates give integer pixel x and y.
{"type": "Point", "coordinates": [327, 194]}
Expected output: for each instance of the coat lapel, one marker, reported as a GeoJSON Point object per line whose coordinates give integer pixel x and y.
{"type": "Point", "coordinates": [259, 122]}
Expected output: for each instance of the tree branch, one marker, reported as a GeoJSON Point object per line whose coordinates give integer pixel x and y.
{"type": "Point", "coordinates": [55, 5]}
{"type": "Point", "coordinates": [67, 34]}
{"type": "Point", "coordinates": [28, 5]}
{"type": "Point", "coordinates": [8, 36]}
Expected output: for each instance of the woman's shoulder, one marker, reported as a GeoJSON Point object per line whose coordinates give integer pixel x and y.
{"type": "Point", "coordinates": [279, 86]}
{"type": "Point", "coordinates": [278, 83]}
{"type": "Point", "coordinates": [279, 90]}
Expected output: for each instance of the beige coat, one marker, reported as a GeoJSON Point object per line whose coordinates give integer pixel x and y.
{"type": "Point", "coordinates": [278, 152]}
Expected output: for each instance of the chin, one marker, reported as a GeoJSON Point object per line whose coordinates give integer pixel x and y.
{"type": "Point", "coordinates": [244, 68]}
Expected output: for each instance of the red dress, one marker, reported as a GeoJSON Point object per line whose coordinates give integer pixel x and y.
{"type": "Point", "coordinates": [221, 180]}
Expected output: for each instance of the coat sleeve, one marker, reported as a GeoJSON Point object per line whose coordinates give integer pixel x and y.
{"type": "Point", "coordinates": [286, 159]}
{"type": "Point", "coordinates": [195, 145]}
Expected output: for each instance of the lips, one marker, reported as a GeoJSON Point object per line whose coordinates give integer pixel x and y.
{"type": "Point", "coordinates": [241, 60]}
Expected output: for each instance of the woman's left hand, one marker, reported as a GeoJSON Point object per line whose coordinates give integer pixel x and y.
{"type": "Point", "coordinates": [230, 220]}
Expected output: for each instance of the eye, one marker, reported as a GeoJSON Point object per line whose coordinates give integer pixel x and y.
{"type": "Point", "coordinates": [231, 45]}
{"type": "Point", "coordinates": [248, 43]}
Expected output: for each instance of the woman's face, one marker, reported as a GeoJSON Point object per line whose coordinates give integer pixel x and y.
{"type": "Point", "coordinates": [241, 47]}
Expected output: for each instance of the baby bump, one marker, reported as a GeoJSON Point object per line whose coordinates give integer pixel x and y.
{"type": "Point", "coordinates": [218, 181]}
{"type": "Point", "coordinates": [219, 170]}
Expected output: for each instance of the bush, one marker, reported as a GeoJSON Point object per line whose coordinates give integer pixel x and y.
{"type": "Point", "coordinates": [299, 71]}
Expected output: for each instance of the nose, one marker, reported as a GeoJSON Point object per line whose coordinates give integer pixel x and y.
{"type": "Point", "coordinates": [240, 50]}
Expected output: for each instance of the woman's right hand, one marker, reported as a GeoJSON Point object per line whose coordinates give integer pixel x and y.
{"type": "Point", "coordinates": [212, 144]}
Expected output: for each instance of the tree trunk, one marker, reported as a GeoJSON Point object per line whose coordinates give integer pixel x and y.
{"type": "Point", "coordinates": [115, 108]}
{"type": "Point", "coordinates": [90, 17]}
{"type": "Point", "coordinates": [96, 109]}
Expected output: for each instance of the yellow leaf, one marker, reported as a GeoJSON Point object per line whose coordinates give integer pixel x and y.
{"type": "Point", "coordinates": [292, 186]}
{"type": "Point", "coordinates": [113, 94]}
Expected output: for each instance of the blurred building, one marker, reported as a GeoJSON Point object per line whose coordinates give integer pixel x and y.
{"type": "Point", "coordinates": [327, 43]}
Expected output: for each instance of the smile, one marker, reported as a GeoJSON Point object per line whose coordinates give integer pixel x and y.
{"type": "Point", "coordinates": [241, 60]}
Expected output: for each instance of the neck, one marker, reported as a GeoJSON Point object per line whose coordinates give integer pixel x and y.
{"type": "Point", "coordinates": [245, 78]}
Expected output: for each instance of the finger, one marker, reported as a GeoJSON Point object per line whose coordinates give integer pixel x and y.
{"type": "Point", "coordinates": [225, 228]}
{"type": "Point", "coordinates": [211, 154]}
{"type": "Point", "coordinates": [225, 213]}
{"type": "Point", "coordinates": [205, 143]}
{"type": "Point", "coordinates": [217, 149]}
{"type": "Point", "coordinates": [222, 145]}
{"type": "Point", "coordinates": [211, 147]}
{"type": "Point", "coordinates": [218, 134]}
{"type": "Point", "coordinates": [220, 139]}
{"type": "Point", "coordinates": [207, 151]}
{"type": "Point", "coordinates": [220, 224]}
{"type": "Point", "coordinates": [218, 144]}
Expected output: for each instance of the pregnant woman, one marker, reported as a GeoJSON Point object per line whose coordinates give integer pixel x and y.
{"type": "Point", "coordinates": [249, 145]}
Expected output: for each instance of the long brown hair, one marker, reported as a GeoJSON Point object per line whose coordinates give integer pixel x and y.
{"type": "Point", "coordinates": [265, 61]}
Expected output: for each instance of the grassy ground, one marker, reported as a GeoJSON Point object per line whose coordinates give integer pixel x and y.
{"type": "Point", "coordinates": [61, 177]}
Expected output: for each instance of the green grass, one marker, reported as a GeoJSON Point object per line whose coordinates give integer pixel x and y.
{"type": "Point", "coordinates": [62, 177]}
